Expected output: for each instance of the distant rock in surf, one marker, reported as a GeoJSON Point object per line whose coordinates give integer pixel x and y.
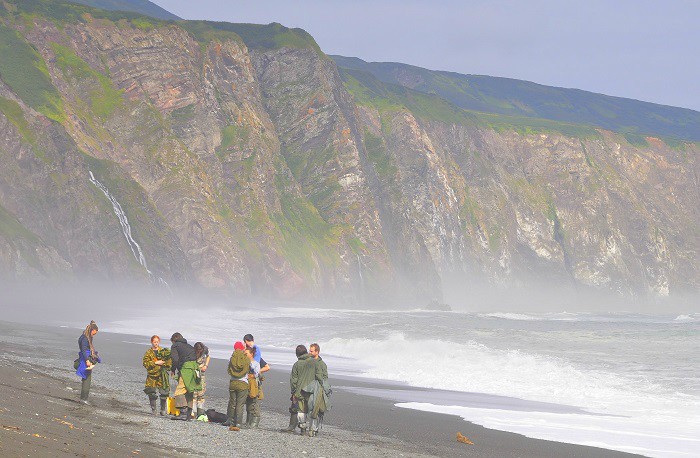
{"type": "Point", "coordinates": [439, 306]}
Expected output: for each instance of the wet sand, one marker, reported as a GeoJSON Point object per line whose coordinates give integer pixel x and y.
{"type": "Point", "coordinates": [40, 415]}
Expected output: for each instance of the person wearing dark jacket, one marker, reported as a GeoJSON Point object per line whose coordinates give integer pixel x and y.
{"type": "Point", "coordinates": [184, 360]}
{"type": "Point", "coordinates": [303, 373]}
{"type": "Point", "coordinates": [87, 359]}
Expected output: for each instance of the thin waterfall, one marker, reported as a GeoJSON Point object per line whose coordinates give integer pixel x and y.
{"type": "Point", "coordinates": [126, 229]}
{"type": "Point", "coordinates": [362, 279]}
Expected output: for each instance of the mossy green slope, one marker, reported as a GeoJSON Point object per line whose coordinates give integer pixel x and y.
{"type": "Point", "coordinates": [369, 90]}
{"type": "Point", "coordinates": [25, 72]}
{"type": "Point", "coordinates": [523, 100]}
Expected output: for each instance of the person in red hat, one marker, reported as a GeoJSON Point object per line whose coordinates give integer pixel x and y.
{"type": "Point", "coordinates": [238, 367]}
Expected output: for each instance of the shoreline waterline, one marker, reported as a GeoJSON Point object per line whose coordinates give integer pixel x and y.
{"type": "Point", "coordinates": [357, 425]}
{"type": "Point", "coordinates": [606, 365]}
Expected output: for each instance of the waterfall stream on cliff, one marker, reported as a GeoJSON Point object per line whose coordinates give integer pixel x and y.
{"type": "Point", "coordinates": [126, 229]}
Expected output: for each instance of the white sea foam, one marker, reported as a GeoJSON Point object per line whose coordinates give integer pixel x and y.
{"type": "Point", "coordinates": [627, 434]}
{"type": "Point", "coordinates": [473, 367]}
{"type": "Point", "coordinates": [639, 406]}
{"type": "Point", "coordinates": [691, 318]}
{"type": "Point", "coordinates": [511, 316]}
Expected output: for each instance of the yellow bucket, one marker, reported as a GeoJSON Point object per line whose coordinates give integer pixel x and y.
{"type": "Point", "coordinates": [172, 410]}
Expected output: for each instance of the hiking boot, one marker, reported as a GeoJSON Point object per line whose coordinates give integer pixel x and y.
{"type": "Point", "coordinates": [184, 415]}
{"type": "Point", "coordinates": [293, 421]}
{"type": "Point", "coordinates": [152, 401]}
{"type": "Point", "coordinates": [163, 407]}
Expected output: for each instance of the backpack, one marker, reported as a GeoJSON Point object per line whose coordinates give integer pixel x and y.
{"type": "Point", "coordinates": [216, 417]}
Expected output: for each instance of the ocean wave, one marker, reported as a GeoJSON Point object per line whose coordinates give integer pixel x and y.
{"type": "Point", "coordinates": [473, 367]}
{"type": "Point", "coordinates": [511, 316]}
{"type": "Point", "coordinates": [691, 318]}
{"type": "Point", "coordinates": [609, 317]}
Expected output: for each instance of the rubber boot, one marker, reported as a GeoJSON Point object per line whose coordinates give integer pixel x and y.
{"type": "Point", "coordinates": [152, 401]}
{"type": "Point", "coordinates": [163, 407]}
{"type": "Point", "coordinates": [302, 422]}
{"type": "Point", "coordinates": [184, 414]}
{"type": "Point", "coordinates": [254, 422]}
{"type": "Point", "coordinates": [293, 422]}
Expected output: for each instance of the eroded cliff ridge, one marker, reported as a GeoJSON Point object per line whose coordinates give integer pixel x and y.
{"type": "Point", "coordinates": [243, 159]}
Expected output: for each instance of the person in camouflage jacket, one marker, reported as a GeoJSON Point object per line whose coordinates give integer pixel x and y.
{"type": "Point", "coordinates": [157, 362]}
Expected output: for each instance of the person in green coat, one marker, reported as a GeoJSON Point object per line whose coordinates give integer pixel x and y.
{"type": "Point", "coordinates": [157, 362]}
{"type": "Point", "coordinates": [238, 367]}
{"type": "Point", "coordinates": [303, 373]}
{"type": "Point", "coordinates": [184, 361]}
{"type": "Point", "coordinates": [320, 406]}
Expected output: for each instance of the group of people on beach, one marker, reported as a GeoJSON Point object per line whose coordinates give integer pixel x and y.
{"type": "Point", "coordinates": [187, 364]}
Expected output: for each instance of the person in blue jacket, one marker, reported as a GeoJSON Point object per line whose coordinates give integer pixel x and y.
{"type": "Point", "coordinates": [87, 359]}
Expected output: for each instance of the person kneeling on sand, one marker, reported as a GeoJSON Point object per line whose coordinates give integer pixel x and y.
{"type": "Point", "coordinates": [87, 359]}
{"type": "Point", "coordinates": [157, 362]}
{"type": "Point", "coordinates": [238, 367]}
{"type": "Point", "coordinates": [320, 391]}
{"type": "Point", "coordinates": [184, 360]}
{"type": "Point", "coordinates": [303, 373]}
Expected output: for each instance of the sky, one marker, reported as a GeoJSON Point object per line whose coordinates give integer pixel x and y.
{"type": "Point", "coordinates": [641, 49]}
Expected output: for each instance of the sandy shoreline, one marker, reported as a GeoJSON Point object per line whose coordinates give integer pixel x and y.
{"type": "Point", "coordinates": [41, 394]}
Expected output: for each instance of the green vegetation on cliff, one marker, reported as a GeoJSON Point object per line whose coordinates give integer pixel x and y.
{"type": "Point", "coordinates": [13, 112]}
{"type": "Point", "coordinates": [135, 6]}
{"type": "Point", "coordinates": [525, 100]}
{"type": "Point", "coordinates": [307, 236]}
{"type": "Point", "coordinates": [13, 230]}
{"type": "Point", "coordinates": [255, 36]}
{"type": "Point", "coordinates": [380, 157]}
{"type": "Point", "coordinates": [387, 97]}
{"type": "Point", "coordinates": [63, 12]}
{"type": "Point", "coordinates": [103, 98]}
{"type": "Point", "coordinates": [25, 72]}
{"type": "Point", "coordinates": [22, 239]}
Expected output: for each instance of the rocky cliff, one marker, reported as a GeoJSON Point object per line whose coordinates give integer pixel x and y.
{"type": "Point", "coordinates": [239, 158]}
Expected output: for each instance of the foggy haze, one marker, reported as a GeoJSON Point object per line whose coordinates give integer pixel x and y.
{"type": "Point", "coordinates": [75, 302]}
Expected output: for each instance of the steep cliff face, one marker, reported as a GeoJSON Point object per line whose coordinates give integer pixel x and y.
{"type": "Point", "coordinates": [544, 208]}
{"type": "Point", "coordinates": [260, 170]}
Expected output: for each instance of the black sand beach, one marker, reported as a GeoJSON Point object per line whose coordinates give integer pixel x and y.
{"type": "Point", "coordinates": [40, 415]}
